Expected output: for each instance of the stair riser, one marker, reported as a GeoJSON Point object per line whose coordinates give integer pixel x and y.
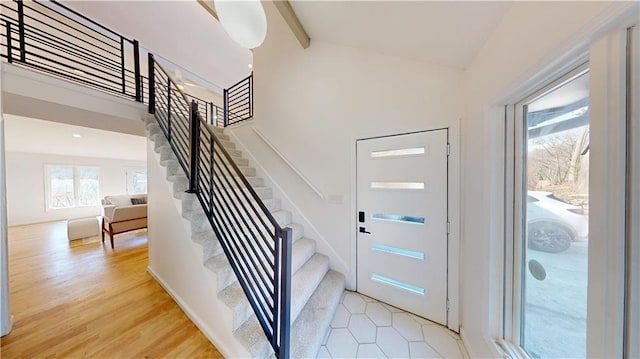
{"type": "Point", "coordinates": [160, 144]}
{"type": "Point", "coordinates": [256, 181]}
{"type": "Point", "coordinates": [239, 161]}
{"type": "Point", "coordinates": [273, 205]}
{"type": "Point", "coordinates": [190, 203]}
{"type": "Point", "coordinates": [180, 186]}
{"type": "Point", "coordinates": [302, 288]}
{"type": "Point", "coordinates": [264, 193]}
{"type": "Point", "coordinates": [221, 136]}
{"type": "Point", "coordinates": [167, 154]}
{"type": "Point", "coordinates": [304, 283]}
{"type": "Point", "coordinates": [174, 169]}
{"type": "Point", "coordinates": [283, 218]}
{"type": "Point", "coordinates": [204, 237]}
{"type": "Point", "coordinates": [248, 171]}
{"type": "Point", "coordinates": [224, 273]}
{"type": "Point", "coordinates": [152, 128]}
{"type": "Point", "coordinates": [301, 252]}
{"type": "Point", "coordinates": [305, 339]}
{"type": "Point", "coordinates": [169, 162]}
{"type": "Point", "coordinates": [309, 268]}
{"type": "Point", "coordinates": [210, 249]}
{"type": "Point", "coordinates": [234, 153]}
{"type": "Point", "coordinates": [179, 195]}
{"type": "Point", "coordinates": [178, 178]}
{"type": "Point", "coordinates": [156, 135]}
{"type": "Point", "coordinates": [200, 224]}
{"type": "Point", "coordinates": [228, 145]}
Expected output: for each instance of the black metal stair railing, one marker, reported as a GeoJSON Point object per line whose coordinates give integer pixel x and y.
{"type": "Point", "coordinates": [257, 248]}
{"type": "Point", "coordinates": [209, 111]}
{"type": "Point", "coordinates": [53, 38]}
{"type": "Point", "coordinates": [238, 101]}
{"type": "Point", "coordinates": [215, 114]}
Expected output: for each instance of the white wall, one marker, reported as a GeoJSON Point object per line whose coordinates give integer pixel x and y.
{"type": "Point", "coordinates": [5, 311]}
{"type": "Point", "coordinates": [175, 261]}
{"type": "Point", "coordinates": [531, 40]}
{"type": "Point", "coordinates": [26, 185]}
{"type": "Point", "coordinates": [313, 104]}
{"type": "Point", "coordinates": [31, 94]}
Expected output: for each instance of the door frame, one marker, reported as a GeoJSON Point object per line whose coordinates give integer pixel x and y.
{"type": "Point", "coordinates": [453, 213]}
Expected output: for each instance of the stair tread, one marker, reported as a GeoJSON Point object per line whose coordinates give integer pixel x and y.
{"type": "Point", "coordinates": [192, 213]}
{"type": "Point", "coordinates": [315, 290]}
{"type": "Point", "coordinates": [306, 339]}
{"type": "Point", "coordinates": [303, 284]}
{"type": "Point", "coordinates": [302, 250]}
{"type": "Point", "coordinates": [202, 237]}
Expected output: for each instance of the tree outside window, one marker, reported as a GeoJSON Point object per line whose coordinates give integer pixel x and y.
{"type": "Point", "coordinates": [70, 186]}
{"type": "Point", "coordinates": [136, 180]}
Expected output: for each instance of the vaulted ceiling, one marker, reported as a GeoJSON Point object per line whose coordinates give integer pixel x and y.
{"type": "Point", "coordinates": [448, 33]}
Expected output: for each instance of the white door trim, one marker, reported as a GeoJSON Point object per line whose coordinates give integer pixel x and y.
{"type": "Point", "coordinates": [632, 329]}
{"type": "Point", "coordinates": [607, 197]}
{"type": "Point", "coordinates": [453, 212]}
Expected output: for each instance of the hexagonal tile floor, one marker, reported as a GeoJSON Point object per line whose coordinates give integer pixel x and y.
{"type": "Point", "coordinates": [366, 328]}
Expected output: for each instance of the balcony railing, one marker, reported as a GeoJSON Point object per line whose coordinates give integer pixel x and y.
{"type": "Point", "coordinates": [53, 38]}
{"type": "Point", "coordinates": [50, 37]}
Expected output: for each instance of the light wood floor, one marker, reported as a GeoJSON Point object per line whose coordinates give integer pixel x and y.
{"type": "Point", "coordinates": [76, 301]}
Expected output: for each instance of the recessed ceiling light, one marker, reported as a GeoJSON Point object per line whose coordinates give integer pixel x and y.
{"type": "Point", "coordinates": [250, 66]}
{"type": "Point", "coordinates": [76, 135]}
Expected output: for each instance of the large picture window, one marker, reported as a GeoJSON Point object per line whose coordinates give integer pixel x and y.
{"type": "Point", "coordinates": [72, 186]}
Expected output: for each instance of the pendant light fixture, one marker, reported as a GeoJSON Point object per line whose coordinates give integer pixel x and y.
{"type": "Point", "coordinates": [244, 20]}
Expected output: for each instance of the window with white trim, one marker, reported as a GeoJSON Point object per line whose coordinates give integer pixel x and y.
{"type": "Point", "coordinates": [136, 180]}
{"type": "Point", "coordinates": [72, 186]}
{"type": "Point", "coordinates": [548, 241]}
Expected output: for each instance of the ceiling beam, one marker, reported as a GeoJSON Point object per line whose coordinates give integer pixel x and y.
{"type": "Point", "coordinates": [208, 5]}
{"type": "Point", "coordinates": [290, 17]}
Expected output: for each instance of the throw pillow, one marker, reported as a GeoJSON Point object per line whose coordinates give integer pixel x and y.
{"type": "Point", "coordinates": [119, 201]}
{"type": "Point", "coordinates": [139, 200]}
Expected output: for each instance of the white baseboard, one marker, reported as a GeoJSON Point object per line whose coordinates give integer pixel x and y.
{"type": "Point", "coordinates": [219, 344]}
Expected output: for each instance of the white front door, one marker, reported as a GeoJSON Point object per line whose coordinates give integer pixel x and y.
{"type": "Point", "coordinates": [402, 221]}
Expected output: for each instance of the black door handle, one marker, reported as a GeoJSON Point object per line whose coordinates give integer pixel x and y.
{"type": "Point", "coordinates": [364, 230]}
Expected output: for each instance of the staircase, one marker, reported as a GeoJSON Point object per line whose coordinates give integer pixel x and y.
{"type": "Point", "coordinates": [280, 293]}
{"type": "Point", "coordinates": [316, 290]}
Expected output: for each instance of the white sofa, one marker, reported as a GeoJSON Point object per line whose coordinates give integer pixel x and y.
{"type": "Point", "coordinates": [120, 214]}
